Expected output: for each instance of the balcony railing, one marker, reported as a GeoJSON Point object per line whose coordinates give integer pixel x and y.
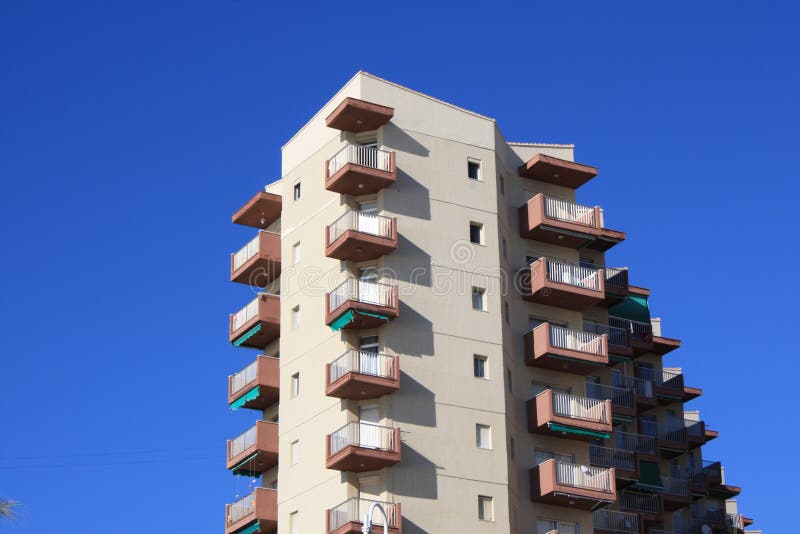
{"type": "Point", "coordinates": [661, 377]}
{"type": "Point", "coordinates": [694, 429]}
{"type": "Point", "coordinates": [578, 276]}
{"type": "Point", "coordinates": [242, 508]}
{"type": "Point", "coordinates": [675, 486]}
{"type": "Point", "coordinates": [564, 338]}
{"type": "Point", "coordinates": [640, 502]}
{"type": "Point", "coordinates": [359, 221]}
{"type": "Point", "coordinates": [363, 362]}
{"type": "Point", "coordinates": [575, 407]}
{"type": "Point", "coordinates": [241, 317]}
{"type": "Point", "coordinates": [366, 435]}
{"type": "Point", "coordinates": [361, 291]}
{"type": "Point", "coordinates": [622, 397]}
{"type": "Point", "coordinates": [616, 458]}
{"type": "Point", "coordinates": [242, 443]}
{"type": "Point", "coordinates": [636, 442]}
{"type": "Point", "coordinates": [616, 336]}
{"type": "Point", "coordinates": [640, 332]}
{"type": "Point", "coordinates": [352, 511]}
{"type": "Point", "coordinates": [623, 522]}
{"type": "Point", "coordinates": [581, 476]}
{"type": "Point", "coordinates": [244, 377]}
{"type": "Point", "coordinates": [246, 252]}
{"type": "Point", "coordinates": [616, 278]}
{"type": "Point", "coordinates": [365, 156]}
{"type": "Point", "coordinates": [567, 211]}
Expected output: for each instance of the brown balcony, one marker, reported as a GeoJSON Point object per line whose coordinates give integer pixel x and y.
{"type": "Point", "coordinates": [257, 324]}
{"type": "Point", "coordinates": [566, 286]}
{"type": "Point", "coordinates": [360, 170]}
{"type": "Point", "coordinates": [260, 211]}
{"type": "Point", "coordinates": [623, 399]}
{"type": "Point", "coordinates": [667, 384]}
{"type": "Point", "coordinates": [572, 485]}
{"type": "Point", "coordinates": [619, 339]}
{"type": "Point", "coordinates": [362, 447]}
{"type": "Point", "coordinates": [563, 223]}
{"type": "Point", "coordinates": [716, 485]}
{"type": "Point", "coordinates": [617, 288]}
{"type": "Point", "coordinates": [557, 171]}
{"type": "Point", "coordinates": [362, 375]}
{"type": "Point", "coordinates": [255, 451]}
{"type": "Point", "coordinates": [359, 304]}
{"type": "Point", "coordinates": [675, 494]}
{"type": "Point", "coordinates": [347, 517]}
{"type": "Point", "coordinates": [257, 386]}
{"type": "Point", "coordinates": [695, 433]}
{"type": "Point", "coordinates": [556, 347]}
{"type": "Point", "coordinates": [354, 115]}
{"type": "Point", "coordinates": [570, 416]}
{"type": "Point", "coordinates": [647, 505]}
{"type": "Point", "coordinates": [257, 511]}
{"type": "Point", "coordinates": [613, 522]}
{"type": "Point", "coordinates": [624, 463]}
{"type": "Point", "coordinates": [359, 236]}
{"type": "Point", "coordinates": [259, 262]}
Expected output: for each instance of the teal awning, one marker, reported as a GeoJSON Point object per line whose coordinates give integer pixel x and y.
{"type": "Point", "coordinates": [244, 399]}
{"type": "Point", "coordinates": [247, 335]}
{"type": "Point", "coordinates": [555, 427]}
{"type": "Point", "coordinates": [650, 475]}
{"type": "Point", "coordinates": [343, 320]}
{"type": "Point", "coordinates": [378, 315]}
{"type": "Point", "coordinates": [634, 308]}
{"type": "Point", "coordinates": [255, 527]}
{"type": "Point", "coordinates": [245, 467]}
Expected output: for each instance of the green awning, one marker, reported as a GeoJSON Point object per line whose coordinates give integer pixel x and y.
{"type": "Point", "coordinates": [634, 308]}
{"type": "Point", "coordinates": [650, 475]}
{"type": "Point", "coordinates": [255, 527]}
{"type": "Point", "coordinates": [555, 427]}
{"type": "Point", "coordinates": [244, 399]}
{"type": "Point", "coordinates": [247, 335]}
{"type": "Point", "coordinates": [378, 315]}
{"type": "Point", "coordinates": [245, 467]}
{"type": "Point", "coordinates": [343, 320]}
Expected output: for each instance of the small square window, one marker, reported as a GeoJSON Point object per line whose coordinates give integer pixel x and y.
{"type": "Point", "coordinates": [476, 233]}
{"type": "Point", "coordinates": [295, 391]}
{"type": "Point", "coordinates": [478, 299]}
{"type": "Point", "coordinates": [483, 436]}
{"type": "Point", "coordinates": [479, 366]}
{"type": "Point", "coordinates": [473, 170]}
{"type": "Point", "coordinates": [485, 508]}
{"type": "Point", "coordinates": [294, 452]}
{"type": "Point", "coordinates": [296, 253]}
{"type": "Point", "coordinates": [296, 317]}
{"type": "Point", "coordinates": [297, 191]}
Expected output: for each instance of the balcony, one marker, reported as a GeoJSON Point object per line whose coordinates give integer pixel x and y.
{"type": "Point", "coordinates": [642, 445]}
{"type": "Point", "coordinates": [347, 517]}
{"type": "Point", "coordinates": [563, 223]}
{"type": "Point", "coordinates": [671, 437]}
{"type": "Point", "coordinates": [359, 236]}
{"type": "Point", "coordinates": [260, 211]}
{"type": "Point", "coordinates": [619, 339]}
{"type": "Point", "coordinates": [644, 397]}
{"type": "Point", "coordinates": [675, 494]}
{"type": "Point", "coordinates": [716, 486]}
{"type": "Point", "coordinates": [362, 447]}
{"type": "Point", "coordinates": [611, 522]}
{"type": "Point", "coordinates": [557, 171]}
{"type": "Point", "coordinates": [668, 385]}
{"type": "Point", "coordinates": [358, 304]}
{"type": "Point", "coordinates": [640, 335]}
{"type": "Point", "coordinates": [564, 285]}
{"type": "Point", "coordinates": [255, 451]}
{"type": "Point", "coordinates": [626, 468]}
{"type": "Point", "coordinates": [360, 170]}
{"type": "Point", "coordinates": [623, 404]}
{"type": "Point", "coordinates": [354, 115]}
{"type": "Point", "coordinates": [647, 505]}
{"type": "Point", "coordinates": [560, 414]}
{"type": "Point", "coordinates": [362, 375]}
{"type": "Point", "coordinates": [616, 285]}
{"type": "Point", "coordinates": [572, 485]}
{"type": "Point", "coordinates": [257, 324]}
{"type": "Point", "coordinates": [257, 512]}
{"type": "Point", "coordinates": [258, 262]}
{"type": "Point", "coordinates": [257, 386]}
{"type": "Point", "coordinates": [695, 432]}
{"type": "Point", "coordinates": [556, 347]}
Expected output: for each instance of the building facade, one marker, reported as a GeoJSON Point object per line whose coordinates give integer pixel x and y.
{"type": "Point", "coordinates": [435, 330]}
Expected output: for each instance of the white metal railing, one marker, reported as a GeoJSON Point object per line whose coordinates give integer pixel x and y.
{"type": "Point", "coordinates": [640, 502]}
{"type": "Point", "coordinates": [246, 252]}
{"type": "Point", "coordinates": [360, 221]}
{"type": "Point", "coordinates": [364, 362]}
{"type": "Point", "coordinates": [676, 486]}
{"type": "Point", "coordinates": [608, 457]}
{"type": "Point", "coordinates": [574, 275]}
{"type": "Point", "coordinates": [242, 443]}
{"type": "Point", "coordinates": [618, 396]}
{"type": "Point", "coordinates": [575, 407]}
{"type": "Point", "coordinates": [353, 510]}
{"type": "Point", "coordinates": [364, 291]}
{"type": "Point", "coordinates": [638, 330]}
{"type": "Point", "coordinates": [635, 442]}
{"type": "Point", "coordinates": [242, 508]}
{"type": "Point", "coordinates": [583, 476]}
{"type": "Point", "coordinates": [362, 434]}
{"type": "Point", "coordinates": [564, 338]}
{"type": "Point", "coordinates": [567, 211]}
{"type": "Point", "coordinates": [241, 317]}
{"type": "Point", "coordinates": [365, 156]}
{"type": "Point", "coordinates": [244, 377]}
{"type": "Point", "coordinates": [612, 521]}
{"type": "Point", "coordinates": [616, 336]}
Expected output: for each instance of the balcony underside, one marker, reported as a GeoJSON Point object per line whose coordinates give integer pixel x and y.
{"type": "Point", "coordinates": [260, 211]}
{"type": "Point", "coordinates": [569, 496]}
{"type": "Point", "coordinates": [644, 404]}
{"type": "Point", "coordinates": [361, 386]}
{"type": "Point", "coordinates": [253, 462]}
{"type": "Point", "coordinates": [557, 171]}
{"type": "Point", "coordinates": [263, 520]}
{"type": "Point", "coordinates": [671, 448]}
{"type": "Point", "coordinates": [258, 271]}
{"type": "Point", "coordinates": [542, 420]}
{"type": "Point", "coordinates": [359, 459]}
{"type": "Point", "coordinates": [356, 315]}
{"type": "Point", "coordinates": [690, 393]}
{"type": "Point", "coordinates": [675, 502]}
{"type": "Point", "coordinates": [354, 115]}
{"type": "Point", "coordinates": [359, 246]}
{"type": "Point", "coordinates": [724, 491]}
{"type": "Point", "coordinates": [355, 179]}
{"type": "Point", "coordinates": [564, 295]}
{"type": "Point", "coordinates": [256, 334]}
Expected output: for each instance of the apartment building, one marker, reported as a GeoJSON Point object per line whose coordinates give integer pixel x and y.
{"type": "Point", "coordinates": [435, 329]}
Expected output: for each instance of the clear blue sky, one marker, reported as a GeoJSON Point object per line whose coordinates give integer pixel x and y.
{"type": "Point", "coordinates": [130, 131]}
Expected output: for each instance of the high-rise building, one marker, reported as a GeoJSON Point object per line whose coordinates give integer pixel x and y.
{"type": "Point", "coordinates": [436, 330]}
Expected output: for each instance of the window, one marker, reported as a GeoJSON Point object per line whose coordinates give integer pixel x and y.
{"type": "Point", "coordinates": [478, 298]}
{"type": "Point", "coordinates": [296, 253]}
{"type": "Point", "coordinates": [505, 248]}
{"type": "Point", "coordinates": [502, 185]}
{"type": "Point", "coordinates": [295, 391]}
{"type": "Point", "coordinates": [545, 526]}
{"type": "Point", "coordinates": [508, 379]}
{"type": "Point", "coordinates": [476, 233]}
{"type": "Point", "coordinates": [506, 312]}
{"type": "Point", "coordinates": [483, 436]}
{"type": "Point", "coordinates": [297, 191]}
{"type": "Point", "coordinates": [294, 527]}
{"type": "Point", "coordinates": [294, 452]}
{"type": "Point", "coordinates": [296, 317]}
{"type": "Point", "coordinates": [512, 449]}
{"type": "Point", "coordinates": [485, 508]}
{"type": "Point", "coordinates": [479, 366]}
{"type": "Point", "coordinates": [473, 170]}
